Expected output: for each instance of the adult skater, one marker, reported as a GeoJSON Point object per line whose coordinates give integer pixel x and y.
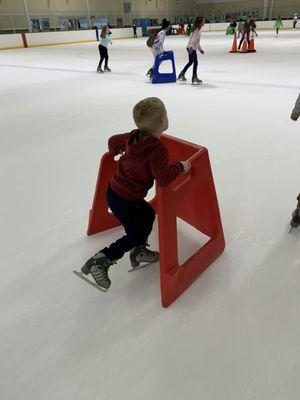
{"type": "Point", "coordinates": [144, 159]}
{"type": "Point", "coordinates": [278, 24]}
{"type": "Point", "coordinates": [295, 20]}
{"type": "Point", "coordinates": [295, 222]}
{"type": "Point", "coordinates": [134, 31]}
{"type": "Point", "coordinates": [246, 32]}
{"type": "Point", "coordinates": [105, 40]}
{"type": "Point", "coordinates": [158, 44]}
{"type": "Point", "coordinates": [192, 47]}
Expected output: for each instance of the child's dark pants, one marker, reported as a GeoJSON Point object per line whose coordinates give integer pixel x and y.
{"type": "Point", "coordinates": [193, 59]}
{"type": "Point", "coordinates": [103, 56]}
{"type": "Point", "coordinates": [247, 35]}
{"type": "Point", "coordinates": [137, 217]}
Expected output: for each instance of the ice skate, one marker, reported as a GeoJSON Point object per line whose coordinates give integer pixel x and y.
{"type": "Point", "coordinates": [106, 69]}
{"type": "Point", "coordinates": [295, 222]}
{"type": "Point", "coordinates": [100, 70]}
{"type": "Point", "coordinates": [141, 254]}
{"type": "Point", "coordinates": [181, 77]}
{"type": "Point", "coordinates": [150, 73]}
{"type": "Point", "coordinates": [196, 80]}
{"type": "Point", "coordinates": [98, 266]}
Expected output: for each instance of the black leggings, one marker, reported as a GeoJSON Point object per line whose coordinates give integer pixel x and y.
{"type": "Point", "coordinates": [243, 37]}
{"type": "Point", "coordinates": [193, 59]}
{"type": "Point", "coordinates": [137, 218]}
{"type": "Point", "coordinates": [103, 55]}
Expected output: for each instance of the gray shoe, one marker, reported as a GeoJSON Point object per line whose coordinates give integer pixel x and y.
{"type": "Point", "coordinates": [295, 222]}
{"type": "Point", "coordinates": [98, 266]}
{"type": "Point", "coordinates": [150, 73]}
{"type": "Point", "coordinates": [196, 80]}
{"type": "Point", "coordinates": [142, 254]}
{"type": "Point", "coordinates": [100, 70]}
{"type": "Point", "coordinates": [181, 77]}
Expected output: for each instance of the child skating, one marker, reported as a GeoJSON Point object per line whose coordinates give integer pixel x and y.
{"type": "Point", "coordinates": [278, 24]}
{"type": "Point", "coordinates": [144, 159]}
{"type": "Point", "coordinates": [157, 46]}
{"type": "Point", "coordinates": [192, 47]}
{"type": "Point", "coordinates": [295, 20]}
{"type": "Point", "coordinates": [105, 40]}
{"type": "Point", "coordinates": [295, 222]}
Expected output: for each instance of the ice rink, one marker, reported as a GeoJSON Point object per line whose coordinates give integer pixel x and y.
{"type": "Point", "coordinates": [235, 334]}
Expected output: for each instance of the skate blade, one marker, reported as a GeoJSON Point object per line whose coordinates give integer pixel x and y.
{"type": "Point", "coordinates": [87, 280]}
{"type": "Point", "coordinates": [141, 267]}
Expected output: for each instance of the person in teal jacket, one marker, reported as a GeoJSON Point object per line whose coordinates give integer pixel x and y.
{"type": "Point", "coordinates": [278, 24]}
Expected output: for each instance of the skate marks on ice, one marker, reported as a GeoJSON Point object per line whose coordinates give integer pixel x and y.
{"type": "Point", "coordinates": [87, 280]}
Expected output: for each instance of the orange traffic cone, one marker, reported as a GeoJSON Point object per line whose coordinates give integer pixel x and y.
{"type": "Point", "coordinates": [251, 46]}
{"type": "Point", "coordinates": [234, 48]}
{"type": "Point", "coordinates": [245, 46]}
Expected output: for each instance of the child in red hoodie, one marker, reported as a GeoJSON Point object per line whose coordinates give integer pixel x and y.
{"type": "Point", "coordinates": [144, 159]}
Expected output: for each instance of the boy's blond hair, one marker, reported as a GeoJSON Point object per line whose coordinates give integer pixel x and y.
{"type": "Point", "coordinates": [148, 114]}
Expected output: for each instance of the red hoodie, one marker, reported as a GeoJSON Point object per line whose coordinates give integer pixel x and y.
{"type": "Point", "coordinates": [144, 160]}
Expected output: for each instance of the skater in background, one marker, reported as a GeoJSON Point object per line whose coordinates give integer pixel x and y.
{"type": "Point", "coordinates": [192, 47]}
{"type": "Point", "coordinates": [144, 159]}
{"type": "Point", "coordinates": [246, 32]}
{"type": "Point", "coordinates": [295, 20]}
{"type": "Point", "coordinates": [157, 46]}
{"type": "Point", "coordinates": [105, 40]}
{"type": "Point", "coordinates": [188, 29]}
{"type": "Point", "coordinates": [295, 222]}
{"type": "Point", "coordinates": [240, 27]}
{"type": "Point", "coordinates": [231, 28]}
{"type": "Point", "coordinates": [134, 31]}
{"type": "Point", "coordinates": [278, 24]}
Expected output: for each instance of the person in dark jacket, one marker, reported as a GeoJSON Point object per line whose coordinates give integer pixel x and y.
{"type": "Point", "coordinates": [144, 159]}
{"type": "Point", "coordinates": [246, 32]}
{"type": "Point", "coordinates": [253, 25]}
{"type": "Point", "coordinates": [134, 31]}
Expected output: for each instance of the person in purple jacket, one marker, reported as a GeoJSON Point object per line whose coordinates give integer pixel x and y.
{"type": "Point", "coordinates": [192, 47]}
{"type": "Point", "coordinates": [144, 159]}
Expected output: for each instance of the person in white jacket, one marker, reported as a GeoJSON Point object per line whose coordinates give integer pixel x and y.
{"type": "Point", "coordinates": [158, 44]}
{"type": "Point", "coordinates": [295, 20]}
{"type": "Point", "coordinates": [295, 222]}
{"type": "Point", "coordinates": [192, 47]}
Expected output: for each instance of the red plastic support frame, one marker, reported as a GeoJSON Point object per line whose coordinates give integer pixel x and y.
{"type": "Point", "coordinates": [191, 197]}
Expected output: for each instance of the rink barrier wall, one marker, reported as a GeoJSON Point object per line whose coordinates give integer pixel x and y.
{"type": "Point", "coordinates": [222, 26]}
{"type": "Point", "coordinates": [11, 41]}
{"type": "Point", "coordinates": [14, 41]}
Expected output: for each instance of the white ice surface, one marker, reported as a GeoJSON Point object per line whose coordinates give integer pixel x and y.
{"type": "Point", "coordinates": [235, 334]}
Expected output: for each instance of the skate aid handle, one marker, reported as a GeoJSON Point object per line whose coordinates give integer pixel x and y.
{"type": "Point", "coordinates": [186, 176]}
